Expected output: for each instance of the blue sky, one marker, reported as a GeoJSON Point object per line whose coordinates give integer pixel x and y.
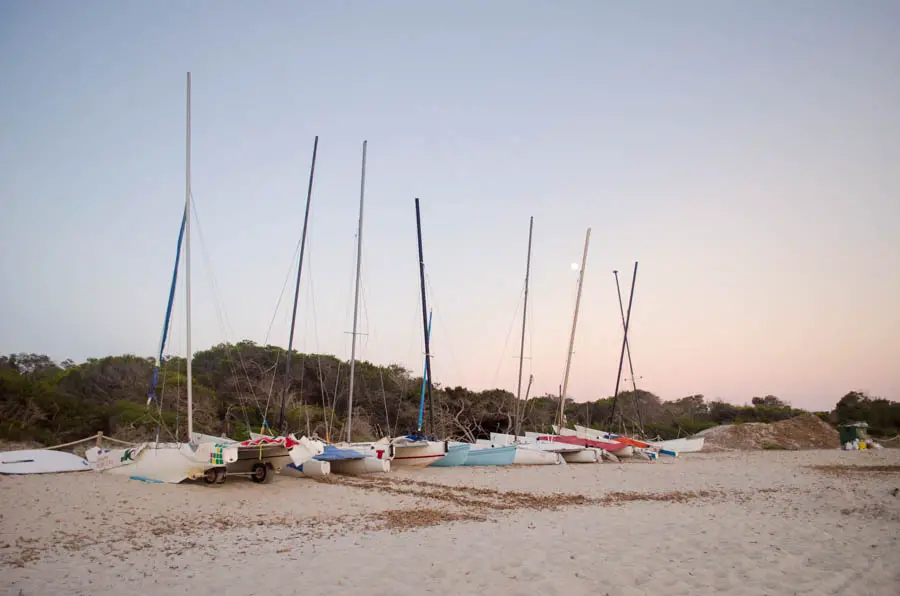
{"type": "Point", "coordinates": [744, 152]}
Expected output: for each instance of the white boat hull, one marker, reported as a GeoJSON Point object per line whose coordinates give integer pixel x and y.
{"type": "Point", "coordinates": [588, 455]}
{"type": "Point", "coordinates": [378, 449]}
{"type": "Point", "coordinates": [162, 462]}
{"type": "Point", "coordinates": [41, 461]}
{"type": "Point", "coordinates": [419, 455]}
{"type": "Point", "coordinates": [314, 468]}
{"type": "Point", "coordinates": [683, 445]}
{"type": "Point", "coordinates": [366, 465]}
{"type": "Point", "coordinates": [527, 456]}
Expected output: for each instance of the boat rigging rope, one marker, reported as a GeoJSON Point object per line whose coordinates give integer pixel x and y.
{"type": "Point", "coordinates": [512, 325]}
{"type": "Point", "coordinates": [222, 318]}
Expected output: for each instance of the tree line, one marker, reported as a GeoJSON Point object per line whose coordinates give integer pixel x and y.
{"type": "Point", "coordinates": [238, 388]}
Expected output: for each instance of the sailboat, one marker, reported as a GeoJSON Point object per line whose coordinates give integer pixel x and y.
{"type": "Point", "coordinates": [328, 458]}
{"type": "Point", "coordinates": [505, 449]}
{"type": "Point", "coordinates": [414, 450]}
{"type": "Point", "coordinates": [172, 462]}
{"type": "Point", "coordinates": [533, 447]}
{"type": "Point", "coordinates": [406, 451]}
{"type": "Point", "coordinates": [670, 447]}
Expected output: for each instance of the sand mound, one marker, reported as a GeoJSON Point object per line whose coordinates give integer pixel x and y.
{"type": "Point", "coordinates": [806, 431]}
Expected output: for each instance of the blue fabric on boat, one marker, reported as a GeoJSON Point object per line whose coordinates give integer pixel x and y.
{"type": "Point", "coordinates": [456, 456]}
{"type": "Point", "coordinates": [151, 394]}
{"type": "Point", "coordinates": [332, 453]}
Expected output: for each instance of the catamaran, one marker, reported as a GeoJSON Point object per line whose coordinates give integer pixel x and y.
{"type": "Point", "coordinates": [211, 458]}
{"type": "Point", "coordinates": [173, 461]}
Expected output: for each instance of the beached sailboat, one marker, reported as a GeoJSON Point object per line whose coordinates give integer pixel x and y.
{"type": "Point", "coordinates": [670, 448]}
{"type": "Point", "coordinates": [172, 462]}
{"type": "Point", "coordinates": [531, 453]}
{"type": "Point", "coordinates": [486, 454]}
{"type": "Point", "coordinates": [682, 445]}
{"type": "Point", "coordinates": [330, 458]}
{"type": "Point", "coordinates": [414, 450]}
{"type": "Point", "coordinates": [261, 455]}
{"type": "Point", "coordinates": [457, 453]}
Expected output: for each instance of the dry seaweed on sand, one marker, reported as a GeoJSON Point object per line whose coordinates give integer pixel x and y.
{"type": "Point", "coordinates": [840, 469]}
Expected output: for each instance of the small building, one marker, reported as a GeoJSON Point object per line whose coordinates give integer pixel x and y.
{"type": "Point", "coordinates": [852, 431]}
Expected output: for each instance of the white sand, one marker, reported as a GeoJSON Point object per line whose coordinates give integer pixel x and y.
{"type": "Point", "coordinates": [771, 526]}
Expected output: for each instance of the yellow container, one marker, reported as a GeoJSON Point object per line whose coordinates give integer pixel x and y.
{"type": "Point", "coordinates": [862, 444]}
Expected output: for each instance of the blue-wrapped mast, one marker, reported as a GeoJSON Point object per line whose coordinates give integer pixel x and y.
{"type": "Point", "coordinates": [151, 394]}
{"type": "Point", "coordinates": [424, 381]}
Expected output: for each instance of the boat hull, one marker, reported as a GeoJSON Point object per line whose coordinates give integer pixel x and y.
{"type": "Point", "coordinates": [491, 456]}
{"type": "Point", "coordinates": [683, 445]}
{"type": "Point", "coordinates": [587, 455]}
{"type": "Point", "coordinates": [162, 462]}
{"type": "Point", "coordinates": [419, 456]}
{"type": "Point", "coordinates": [456, 456]}
{"type": "Point", "coordinates": [312, 469]}
{"type": "Point", "coordinates": [365, 465]}
{"type": "Point", "coordinates": [377, 449]}
{"type": "Point", "coordinates": [526, 456]}
{"type": "Point", "coordinates": [41, 461]}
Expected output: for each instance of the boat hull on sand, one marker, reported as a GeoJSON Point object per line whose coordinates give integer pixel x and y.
{"type": "Point", "coordinates": [481, 455]}
{"type": "Point", "coordinates": [683, 445]}
{"type": "Point", "coordinates": [41, 461]}
{"type": "Point", "coordinates": [418, 454]}
{"type": "Point", "coordinates": [456, 455]}
{"type": "Point", "coordinates": [528, 456]}
{"type": "Point", "coordinates": [618, 449]}
{"type": "Point", "coordinates": [163, 462]}
{"type": "Point", "coordinates": [587, 455]}
{"type": "Point", "coordinates": [311, 469]}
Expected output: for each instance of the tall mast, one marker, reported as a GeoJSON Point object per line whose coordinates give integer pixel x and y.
{"type": "Point", "coordinates": [187, 264]}
{"type": "Point", "coordinates": [362, 194]}
{"type": "Point", "coordinates": [612, 412]}
{"type": "Point", "coordinates": [428, 387]}
{"type": "Point", "coordinates": [628, 348]}
{"type": "Point", "coordinates": [287, 362]}
{"type": "Point", "coordinates": [424, 383]}
{"type": "Point", "coordinates": [524, 319]}
{"type": "Point", "coordinates": [565, 385]}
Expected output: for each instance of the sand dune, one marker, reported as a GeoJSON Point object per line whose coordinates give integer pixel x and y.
{"type": "Point", "coordinates": [736, 522]}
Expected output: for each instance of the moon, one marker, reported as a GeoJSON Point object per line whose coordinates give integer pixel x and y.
{"type": "Point", "coordinates": [575, 266]}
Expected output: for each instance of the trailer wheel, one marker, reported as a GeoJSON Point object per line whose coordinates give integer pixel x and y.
{"type": "Point", "coordinates": [260, 473]}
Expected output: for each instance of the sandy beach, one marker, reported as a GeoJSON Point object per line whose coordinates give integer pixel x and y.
{"type": "Point", "coordinates": [739, 522]}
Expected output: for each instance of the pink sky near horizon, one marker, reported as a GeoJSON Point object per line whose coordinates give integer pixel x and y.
{"type": "Point", "coordinates": [745, 154]}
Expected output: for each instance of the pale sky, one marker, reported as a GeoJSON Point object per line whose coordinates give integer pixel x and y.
{"type": "Point", "coordinates": [747, 154]}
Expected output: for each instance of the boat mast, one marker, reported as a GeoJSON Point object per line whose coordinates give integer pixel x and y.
{"type": "Point", "coordinates": [425, 320]}
{"type": "Point", "coordinates": [628, 349]}
{"type": "Point", "coordinates": [287, 362]}
{"type": "Point", "coordinates": [187, 263]}
{"type": "Point", "coordinates": [565, 385]}
{"type": "Point", "coordinates": [516, 422]}
{"type": "Point", "coordinates": [424, 382]}
{"type": "Point", "coordinates": [612, 412]}
{"type": "Point", "coordinates": [362, 193]}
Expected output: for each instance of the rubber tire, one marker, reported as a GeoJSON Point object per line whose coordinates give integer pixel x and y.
{"type": "Point", "coordinates": [260, 473]}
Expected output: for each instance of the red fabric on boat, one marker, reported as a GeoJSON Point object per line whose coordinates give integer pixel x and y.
{"type": "Point", "coordinates": [632, 442]}
{"type": "Point", "coordinates": [611, 446]}
{"type": "Point", "coordinates": [286, 442]}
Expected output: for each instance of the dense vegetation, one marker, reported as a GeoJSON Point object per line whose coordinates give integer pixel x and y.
{"type": "Point", "coordinates": [238, 387]}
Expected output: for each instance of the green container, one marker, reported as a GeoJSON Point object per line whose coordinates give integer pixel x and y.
{"type": "Point", "coordinates": [850, 432]}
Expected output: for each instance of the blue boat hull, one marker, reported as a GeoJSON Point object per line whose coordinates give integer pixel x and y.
{"type": "Point", "coordinates": [456, 456]}
{"type": "Point", "coordinates": [495, 456]}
